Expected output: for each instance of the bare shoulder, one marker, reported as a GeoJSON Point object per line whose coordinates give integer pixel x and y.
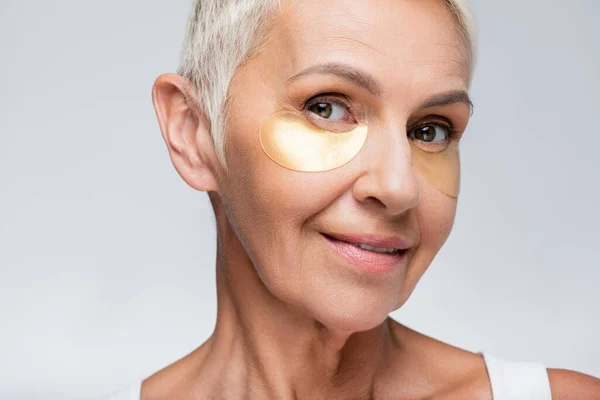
{"type": "Point", "coordinates": [453, 372]}
{"type": "Point", "coordinates": [175, 380]}
{"type": "Point", "coordinates": [572, 385]}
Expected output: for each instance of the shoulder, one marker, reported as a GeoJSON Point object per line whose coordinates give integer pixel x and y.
{"type": "Point", "coordinates": [572, 385]}
{"type": "Point", "coordinates": [179, 379]}
{"type": "Point", "coordinates": [447, 372]}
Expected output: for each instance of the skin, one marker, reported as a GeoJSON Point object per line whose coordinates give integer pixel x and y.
{"type": "Point", "coordinates": [294, 319]}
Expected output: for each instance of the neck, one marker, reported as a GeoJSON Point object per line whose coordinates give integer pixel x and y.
{"type": "Point", "coordinates": [262, 345]}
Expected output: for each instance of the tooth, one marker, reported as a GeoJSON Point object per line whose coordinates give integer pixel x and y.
{"type": "Point", "coordinates": [376, 249]}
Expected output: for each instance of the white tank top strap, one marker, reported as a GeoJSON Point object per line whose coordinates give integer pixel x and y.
{"type": "Point", "coordinates": [512, 380]}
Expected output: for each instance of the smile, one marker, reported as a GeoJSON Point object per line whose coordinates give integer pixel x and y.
{"type": "Point", "coordinates": [371, 258]}
{"type": "Point", "coordinates": [377, 249]}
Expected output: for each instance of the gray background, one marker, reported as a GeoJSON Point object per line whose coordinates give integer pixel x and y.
{"type": "Point", "coordinates": [106, 256]}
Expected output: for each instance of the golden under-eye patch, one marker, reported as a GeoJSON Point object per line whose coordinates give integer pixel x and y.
{"type": "Point", "coordinates": [441, 169]}
{"type": "Point", "coordinates": [294, 143]}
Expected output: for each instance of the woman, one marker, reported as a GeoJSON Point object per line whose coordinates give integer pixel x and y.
{"type": "Point", "coordinates": [326, 135]}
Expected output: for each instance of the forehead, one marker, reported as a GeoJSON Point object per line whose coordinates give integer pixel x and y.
{"type": "Point", "coordinates": [401, 40]}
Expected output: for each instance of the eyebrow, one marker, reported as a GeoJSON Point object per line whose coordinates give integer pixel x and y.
{"type": "Point", "coordinates": [367, 82]}
{"type": "Point", "coordinates": [451, 97]}
{"type": "Point", "coordinates": [347, 72]}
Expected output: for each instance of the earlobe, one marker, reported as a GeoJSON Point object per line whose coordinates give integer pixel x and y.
{"type": "Point", "coordinates": [186, 131]}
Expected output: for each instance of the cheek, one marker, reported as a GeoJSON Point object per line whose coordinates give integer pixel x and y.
{"type": "Point", "coordinates": [284, 195]}
{"type": "Point", "coordinates": [275, 195]}
{"type": "Point", "coordinates": [267, 206]}
{"type": "Point", "coordinates": [435, 216]}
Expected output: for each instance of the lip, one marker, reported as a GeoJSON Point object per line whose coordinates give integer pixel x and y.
{"type": "Point", "coordinates": [369, 261]}
{"type": "Point", "coordinates": [396, 242]}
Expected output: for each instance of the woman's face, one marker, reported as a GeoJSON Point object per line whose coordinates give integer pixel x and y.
{"type": "Point", "coordinates": [395, 62]}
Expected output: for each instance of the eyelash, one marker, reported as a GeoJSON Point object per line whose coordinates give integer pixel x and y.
{"type": "Point", "coordinates": [453, 134]}
{"type": "Point", "coordinates": [335, 98]}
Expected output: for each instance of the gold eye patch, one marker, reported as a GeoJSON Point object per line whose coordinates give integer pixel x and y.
{"type": "Point", "coordinates": [294, 143]}
{"type": "Point", "coordinates": [441, 169]}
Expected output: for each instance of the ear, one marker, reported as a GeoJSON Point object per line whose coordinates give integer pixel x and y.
{"type": "Point", "coordinates": [186, 131]}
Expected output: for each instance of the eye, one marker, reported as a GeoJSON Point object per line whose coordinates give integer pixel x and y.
{"type": "Point", "coordinates": [332, 112]}
{"type": "Point", "coordinates": [328, 110]}
{"type": "Point", "coordinates": [431, 133]}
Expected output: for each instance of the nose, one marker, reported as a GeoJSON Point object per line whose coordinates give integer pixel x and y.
{"type": "Point", "coordinates": [388, 182]}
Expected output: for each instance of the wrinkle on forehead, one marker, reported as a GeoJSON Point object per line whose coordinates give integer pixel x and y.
{"type": "Point", "coordinates": [393, 32]}
{"type": "Point", "coordinates": [351, 44]}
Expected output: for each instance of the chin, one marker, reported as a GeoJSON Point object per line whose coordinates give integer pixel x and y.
{"type": "Point", "coordinates": [352, 313]}
{"type": "Point", "coordinates": [358, 322]}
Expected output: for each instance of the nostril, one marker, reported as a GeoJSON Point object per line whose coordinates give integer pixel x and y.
{"type": "Point", "coordinates": [375, 200]}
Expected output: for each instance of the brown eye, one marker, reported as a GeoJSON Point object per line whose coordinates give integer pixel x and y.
{"type": "Point", "coordinates": [426, 134]}
{"type": "Point", "coordinates": [430, 133]}
{"type": "Point", "coordinates": [328, 110]}
{"type": "Point", "coordinates": [323, 110]}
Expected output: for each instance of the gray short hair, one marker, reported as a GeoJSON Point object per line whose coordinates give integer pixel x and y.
{"type": "Point", "coordinates": [222, 35]}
